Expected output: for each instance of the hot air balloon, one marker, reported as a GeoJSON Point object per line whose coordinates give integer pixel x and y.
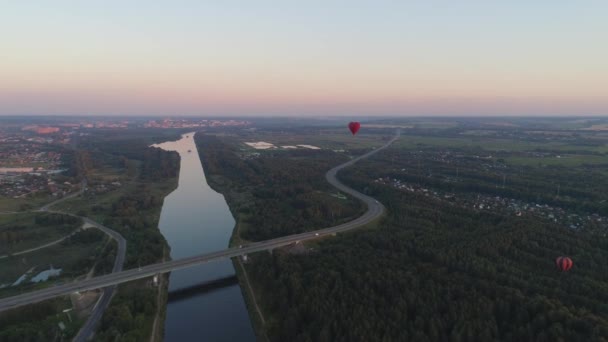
{"type": "Point", "coordinates": [563, 263]}
{"type": "Point", "coordinates": [354, 127]}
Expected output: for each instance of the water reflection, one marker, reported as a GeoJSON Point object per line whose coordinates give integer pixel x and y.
{"type": "Point", "coordinates": [195, 219]}
{"type": "Point", "coordinates": [201, 289]}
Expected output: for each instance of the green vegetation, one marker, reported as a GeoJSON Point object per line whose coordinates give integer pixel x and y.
{"type": "Point", "coordinates": [127, 182]}
{"type": "Point", "coordinates": [25, 203]}
{"type": "Point", "coordinates": [39, 322]}
{"type": "Point", "coordinates": [276, 194]}
{"type": "Point", "coordinates": [131, 314]}
{"type": "Point", "coordinates": [561, 160]}
{"type": "Point", "coordinates": [20, 232]}
{"type": "Point", "coordinates": [438, 266]}
{"type": "Point", "coordinates": [75, 255]}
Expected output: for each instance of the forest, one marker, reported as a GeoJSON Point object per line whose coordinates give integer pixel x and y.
{"type": "Point", "coordinates": [433, 270]}
{"type": "Point", "coordinates": [276, 198]}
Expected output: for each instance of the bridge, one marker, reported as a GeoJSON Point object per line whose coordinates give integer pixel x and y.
{"type": "Point", "coordinates": [374, 210]}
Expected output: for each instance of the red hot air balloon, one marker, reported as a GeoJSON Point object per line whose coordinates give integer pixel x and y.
{"type": "Point", "coordinates": [564, 263]}
{"type": "Point", "coordinates": [354, 127]}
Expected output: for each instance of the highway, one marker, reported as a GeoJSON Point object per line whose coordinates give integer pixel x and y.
{"type": "Point", "coordinates": [374, 210]}
{"type": "Point", "coordinates": [107, 292]}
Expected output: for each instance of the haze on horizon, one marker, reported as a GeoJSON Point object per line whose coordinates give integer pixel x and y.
{"type": "Point", "coordinates": [304, 58]}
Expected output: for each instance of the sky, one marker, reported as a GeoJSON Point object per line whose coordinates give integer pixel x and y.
{"type": "Point", "coordinates": [300, 58]}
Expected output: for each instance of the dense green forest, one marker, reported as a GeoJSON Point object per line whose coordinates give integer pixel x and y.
{"type": "Point", "coordinates": [278, 194]}
{"type": "Point", "coordinates": [435, 268]}
{"type": "Point", "coordinates": [39, 322]}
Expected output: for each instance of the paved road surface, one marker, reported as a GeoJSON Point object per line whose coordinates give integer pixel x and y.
{"type": "Point", "coordinates": [107, 292]}
{"type": "Point", "coordinates": [375, 209]}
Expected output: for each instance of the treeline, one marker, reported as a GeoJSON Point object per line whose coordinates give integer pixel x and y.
{"type": "Point", "coordinates": [40, 226]}
{"type": "Point", "coordinates": [276, 194]}
{"type": "Point", "coordinates": [80, 163]}
{"type": "Point", "coordinates": [135, 216]}
{"type": "Point", "coordinates": [128, 319]}
{"type": "Point", "coordinates": [579, 188]}
{"type": "Point", "coordinates": [52, 219]}
{"type": "Point", "coordinates": [37, 322]}
{"type": "Point", "coordinates": [117, 148]}
{"type": "Point", "coordinates": [435, 272]}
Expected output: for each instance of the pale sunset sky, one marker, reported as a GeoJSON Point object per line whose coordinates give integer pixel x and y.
{"type": "Point", "coordinates": [304, 57]}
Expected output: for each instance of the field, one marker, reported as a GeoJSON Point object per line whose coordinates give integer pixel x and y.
{"type": "Point", "coordinates": [75, 256]}
{"type": "Point", "coordinates": [19, 232]}
{"type": "Point", "coordinates": [323, 138]}
{"type": "Point", "coordinates": [19, 204]}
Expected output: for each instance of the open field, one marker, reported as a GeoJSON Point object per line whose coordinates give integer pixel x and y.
{"type": "Point", "coordinates": [325, 139]}
{"type": "Point", "coordinates": [20, 232]}
{"type": "Point", "coordinates": [26, 203]}
{"type": "Point", "coordinates": [74, 256]}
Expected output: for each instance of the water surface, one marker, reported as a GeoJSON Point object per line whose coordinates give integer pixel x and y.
{"type": "Point", "coordinates": [194, 220]}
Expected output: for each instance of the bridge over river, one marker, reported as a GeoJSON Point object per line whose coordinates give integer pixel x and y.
{"type": "Point", "coordinates": [374, 210]}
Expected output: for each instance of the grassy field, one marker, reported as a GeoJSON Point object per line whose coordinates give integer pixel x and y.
{"type": "Point", "coordinates": [75, 258]}
{"type": "Point", "coordinates": [19, 232]}
{"type": "Point", "coordinates": [19, 204]}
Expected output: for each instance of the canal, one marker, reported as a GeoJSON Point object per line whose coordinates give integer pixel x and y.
{"type": "Point", "coordinates": [195, 219]}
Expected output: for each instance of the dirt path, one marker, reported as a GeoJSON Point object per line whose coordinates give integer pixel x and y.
{"type": "Point", "coordinates": [251, 293]}
{"type": "Point", "coordinates": [39, 247]}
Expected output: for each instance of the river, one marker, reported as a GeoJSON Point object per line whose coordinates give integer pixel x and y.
{"type": "Point", "coordinates": [195, 219]}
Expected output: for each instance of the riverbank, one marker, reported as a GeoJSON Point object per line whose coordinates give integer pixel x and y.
{"type": "Point", "coordinates": [220, 184]}
{"type": "Point", "coordinates": [196, 219]}
{"type": "Point", "coordinates": [158, 326]}
{"type": "Point", "coordinates": [255, 196]}
{"type": "Point", "coordinates": [256, 314]}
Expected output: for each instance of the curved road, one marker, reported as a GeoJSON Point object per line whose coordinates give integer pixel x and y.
{"type": "Point", "coordinates": [374, 210]}
{"type": "Point", "coordinates": [107, 292]}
